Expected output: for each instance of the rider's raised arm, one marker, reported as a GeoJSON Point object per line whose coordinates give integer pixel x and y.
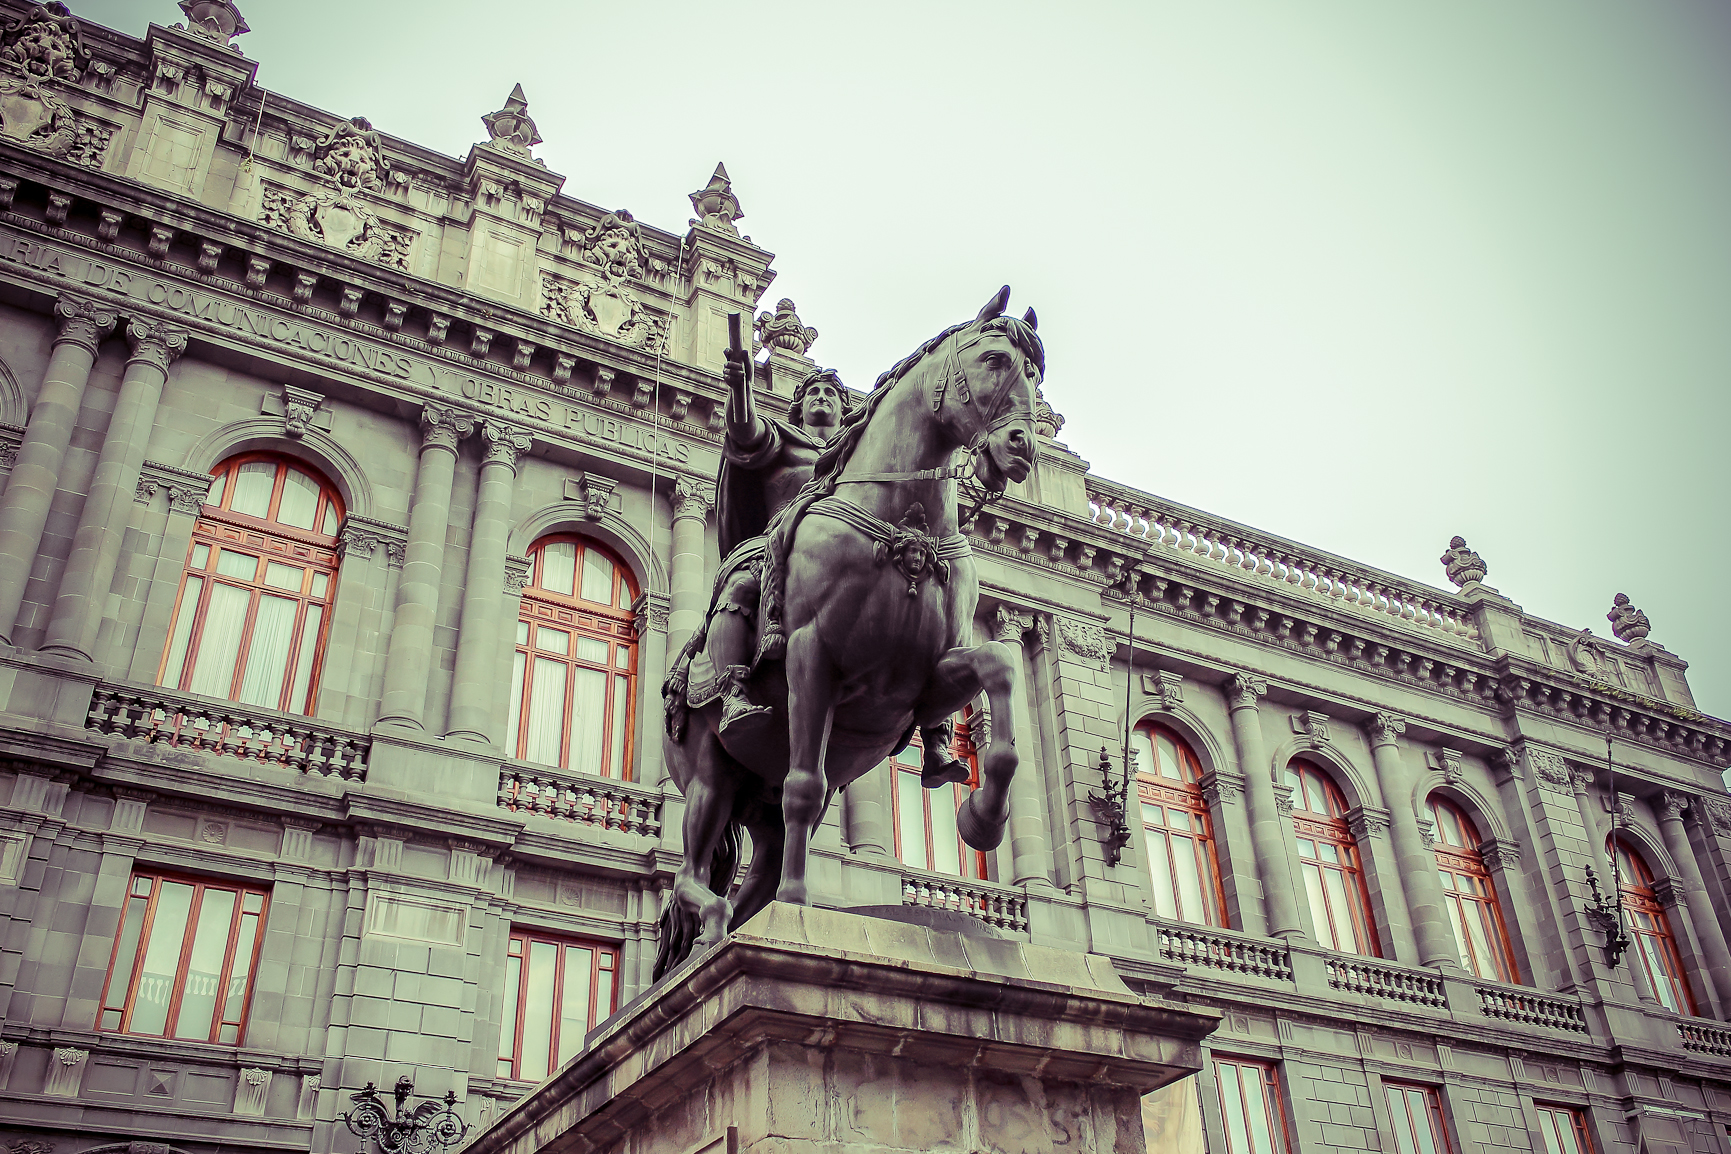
{"type": "Point", "coordinates": [745, 429]}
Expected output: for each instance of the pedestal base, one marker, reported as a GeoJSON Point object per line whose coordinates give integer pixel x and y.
{"type": "Point", "coordinates": [816, 1030]}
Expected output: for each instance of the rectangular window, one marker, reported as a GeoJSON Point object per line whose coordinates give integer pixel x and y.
{"type": "Point", "coordinates": [1563, 1129]}
{"type": "Point", "coordinates": [184, 959]}
{"type": "Point", "coordinates": [1250, 1107]}
{"type": "Point", "coordinates": [556, 991]}
{"type": "Point", "coordinates": [1416, 1114]}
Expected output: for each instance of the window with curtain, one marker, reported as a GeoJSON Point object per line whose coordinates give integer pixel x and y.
{"type": "Point", "coordinates": [573, 681]}
{"type": "Point", "coordinates": [925, 819]}
{"type": "Point", "coordinates": [1250, 1107]}
{"type": "Point", "coordinates": [255, 600]}
{"type": "Point", "coordinates": [1416, 1114]}
{"type": "Point", "coordinates": [1651, 930]}
{"type": "Point", "coordinates": [1564, 1129]}
{"type": "Point", "coordinates": [184, 959]}
{"type": "Point", "coordinates": [1178, 829]}
{"type": "Point", "coordinates": [1328, 860]}
{"type": "Point", "coordinates": [557, 989]}
{"type": "Point", "coordinates": [1477, 917]}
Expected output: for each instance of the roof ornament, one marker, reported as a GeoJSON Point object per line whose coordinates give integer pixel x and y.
{"type": "Point", "coordinates": [715, 205]}
{"type": "Point", "coordinates": [1628, 624]}
{"type": "Point", "coordinates": [1462, 565]}
{"type": "Point", "coordinates": [217, 20]}
{"type": "Point", "coordinates": [44, 44]}
{"type": "Point", "coordinates": [351, 154]}
{"type": "Point", "coordinates": [510, 129]}
{"type": "Point", "coordinates": [784, 330]}
{"type": "Point", "coordinates": [1047, 420]}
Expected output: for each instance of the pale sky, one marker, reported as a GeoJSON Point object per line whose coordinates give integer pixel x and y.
{"type": "Point", "coordinates": [1360, 276]}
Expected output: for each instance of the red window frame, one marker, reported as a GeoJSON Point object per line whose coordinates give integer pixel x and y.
{"type": "Point", "coordinates": [514, 1016]}
{"type": "Point", "coordinates": [1564, 1129]}
{"type": "Point", "coordinates": [1319, 822]}
{"type": "Point", "coordinates": [580, 619]}
{"type": "Point", "coordinates": [1471, 895]}
{"type": "Point", "coordinates": [1651, 929]}
{"type": "Point", "coordinates": [1241, 1082]}
{"type": "Point", "coordinates": [136, 930]}
{"type": "Point", "coordinates": [1167, 783]}
{"type": "Point", "coordinates": [905, 770]}
{"type": "Point", "coordinates": [1405, 1102]}
{"type": "Point", "coordinates": [220, 528]}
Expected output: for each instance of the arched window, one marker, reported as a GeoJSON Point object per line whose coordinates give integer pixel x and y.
{"type": "Point", "coordinates": [1179, 832]}
{"type": "Point", "coordinates": [255, 601]}
{"type": "Point", "coordinates": [572, 684]}
{"type": "Point", "coordinates": [1652, 931]}
{"type": "Point", "coordinates": [1474, 912]}
{"type": "Point", "coordinates": [1328, 859]}
{"type": "Point", "coordinates": [926, 836]}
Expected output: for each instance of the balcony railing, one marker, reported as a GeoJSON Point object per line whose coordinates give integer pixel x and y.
{"type": "Point", "coordinates": [1382, 980]}
{"type": "Point", "coordinates": [228, 729]}
{"type": "Point", "coordinates": [996, 905]}
{"type": "Point", "coordinates": [1214, 949]}
{"type": "Point", "coordinates": [578, 798]}
{"type": "Point", "coordinates": [1533, 1009]}
{"type": "Point", "coordinates": [1705, 1039]}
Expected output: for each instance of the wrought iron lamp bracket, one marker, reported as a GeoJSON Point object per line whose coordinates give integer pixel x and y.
{"type": "Point", "coordinates": [431, 1124]}
{"type": "Point", "coordinates": [1111, 808]}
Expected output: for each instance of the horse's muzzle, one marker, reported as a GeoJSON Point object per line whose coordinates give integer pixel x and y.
{"type": "Point", "coordinates": [1011, 452]}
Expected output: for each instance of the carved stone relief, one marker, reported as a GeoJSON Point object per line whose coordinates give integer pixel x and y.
{"type": "Point", "coordinates": [45, 44]}
{"type": "Point", "coordinates": [614, 244]}
{"type": "Point", "coordinates": [1552, 772]}
{"type": "Point", "coordinates": [335, 217]}
{"type": "Point", "coordinates": [605, 307]}
{"type": "Point", "coordinates": [1083, 639]}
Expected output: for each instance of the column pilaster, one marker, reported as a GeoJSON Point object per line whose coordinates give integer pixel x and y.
{"type": "Point", "coordinates": [36, 473]}
{"type": "Point", "coordinates": [652, 614]}
{"type": "Point", "coordinates": [409, 659]}
{"type": "Point", "coordinates": [1030, 844]}
{"type": "Point", "coordinates": [1419, 882]}
{"type": "Point", "coordinates": [1268, 826]}
{"type": "Point", "coordinates": [96, 543]}
{"type": "Point", "coordinates": [1707, 929]}
{"type": "Point", "coordinates": [692, 501]}
{"type": "Point", "coordinates": [475, 682]}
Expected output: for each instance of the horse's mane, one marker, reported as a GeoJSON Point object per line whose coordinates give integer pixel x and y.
{"type": "Point", "coordinates": [841, 448]}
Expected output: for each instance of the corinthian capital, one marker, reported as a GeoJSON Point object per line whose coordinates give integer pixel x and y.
{"type": "Point", "coordinates": [1243, 689]}
{"type": "Point", "coordinates": [82, 322]}
{"type": "Point", "coordinates": [1672, 804]}
{"type": "Point", "coordinates": [503, 443]}
{"type": "Point", "coordinates": [1009, 626]}
{"type": "Point", "coordinates": [692, 498]}
{"type": "Point", "coordinates": [1385, 727]}
{"type": "Point", "coordinates": [444, 426]}
{"type": "Point", "coordinates": [155, 343]}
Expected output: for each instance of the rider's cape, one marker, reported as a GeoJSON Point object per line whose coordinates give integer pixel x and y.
{"type": "Point", "coordinates": [741, 503]}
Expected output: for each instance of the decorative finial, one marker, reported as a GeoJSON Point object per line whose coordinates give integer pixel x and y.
{"type": "Point", "coordinates": [784, 330]}
{"type": "Point", "coordinates": [510, 129]}
{"type": "Point", "coordinates": [1628, 624]}
{"type": "Point", "coordinates": [715, 205]}
{"type": "Point", "coordinates": [217, 20]}
{"type": "Point", "coordinates": [1462, 565]}
{"type": "Point", "coordinates": [1047, 420]}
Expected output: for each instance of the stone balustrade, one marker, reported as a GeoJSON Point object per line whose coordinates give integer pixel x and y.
{"type": "Point", "coordinates": [580, 799]}
{"type": "Point", "coordinates": [1223, 950]}
{"type": "Point", "coordinates": [1387, 980]}
{"type": "Point", "coordinates": [1515, 1004]}
{"type": "Point", "coordinates": [1004, 907]}
{"type": "Point", "coordinates": [1704, 1039]}
{"type": "Point", "coordinates": [1256, 555]}
{"type": "Point", "coordinates": [228, 729]}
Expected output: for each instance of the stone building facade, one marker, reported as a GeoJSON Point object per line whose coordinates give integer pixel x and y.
{"type": "Point", "coordinates": [355, 498]}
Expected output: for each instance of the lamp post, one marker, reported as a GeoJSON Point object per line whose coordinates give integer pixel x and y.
{"type": "Point", "coordinates": [418, 1131]}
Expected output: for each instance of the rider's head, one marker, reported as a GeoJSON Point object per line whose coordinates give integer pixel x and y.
{"type": "Point", "coordinates": [820, 402]}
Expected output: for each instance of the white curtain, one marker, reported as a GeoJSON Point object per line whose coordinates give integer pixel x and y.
{"type": "Point", "coordinates": [298, 700]}
{"type": "Point", "coordinates": [219, 642]}
{"type": "Point", "coordinates": [559, 567]}
{"type": "Point", "coordinates": [300, 500]}
{"type": "Point", "coordinates": [267, 657]}
{"type": "Point", "coordinates": [588, 719]}
{"type": "Point", "coordinates": [181, 634]}
{"type": "Point", "coordinates": [546, 711]}
{"type": "Point", "coordinates": [597, 578]}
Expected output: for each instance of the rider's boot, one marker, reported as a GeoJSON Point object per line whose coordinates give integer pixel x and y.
{"type": "Point", "coordinates": [937, 766]}
{"type": "Point", "coordinates": [737, 711]}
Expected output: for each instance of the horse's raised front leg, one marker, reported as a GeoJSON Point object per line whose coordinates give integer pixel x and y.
{"type": "Point", "coordinates": [810, 709]}
{"type": "Point", "coordinates": [960, 675]}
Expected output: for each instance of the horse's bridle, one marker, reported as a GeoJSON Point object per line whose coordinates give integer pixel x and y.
{"type": "Point", "coordinates": [994, 421]}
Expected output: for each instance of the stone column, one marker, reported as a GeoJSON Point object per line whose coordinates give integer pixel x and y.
{"type": "Point", "coordinates": [870, 822]}
{"type": "Point", "coordinates": [96, 543]}
{"type": "Point", "coordinates": [409, 659]}
{"type": "Point", "coordinates": [1269, 828]}
{"type": "Point", "coordinates": [692, 501]}
{"type": "Point", "coordinates": [36, 473]}
{"type": "Point", "coordinates": [1030, 846]}
{"type": "Point", "coordinates": [1707, 929]}
{"type": "Point", "coordinates": [1412, 848]}
{"type": "Point", "coordinates": [475, 680]}
{"type": "Point", "coordinates": [652, 614]}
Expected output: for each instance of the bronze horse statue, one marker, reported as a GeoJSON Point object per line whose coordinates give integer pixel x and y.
{"type": "Point", "coordinates": [865, 627]}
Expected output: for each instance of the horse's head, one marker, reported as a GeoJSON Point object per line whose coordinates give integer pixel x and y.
{"type": "Point", "coordinates": [984, 397]}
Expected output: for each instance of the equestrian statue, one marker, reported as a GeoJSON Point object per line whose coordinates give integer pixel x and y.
{"type": "Point", "coordinates": [842, 616]}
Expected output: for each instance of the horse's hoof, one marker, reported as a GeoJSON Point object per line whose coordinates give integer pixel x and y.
{"type": "Point", "coordinates": [951, 772]}
{"type": "Point", "coordinates": [793, 893]}
{"type": "Point", "coordinates": [976, 831]}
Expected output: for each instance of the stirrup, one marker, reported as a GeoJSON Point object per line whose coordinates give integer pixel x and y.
{"type": "Point", "coordinates": [951, 772]}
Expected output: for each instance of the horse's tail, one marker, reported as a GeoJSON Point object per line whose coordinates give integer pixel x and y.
{"type": "Point", "coordinates": [678, 927]}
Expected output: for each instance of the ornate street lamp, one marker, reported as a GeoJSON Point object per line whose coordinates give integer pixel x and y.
{"type": "Point", "coordinates": [416, 1131]}
{"type": "Point", "coordinates": [1606, 910]}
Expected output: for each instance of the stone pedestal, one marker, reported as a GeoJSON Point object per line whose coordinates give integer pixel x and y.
{"type": "Point", "coordinates": [817, 1030]}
